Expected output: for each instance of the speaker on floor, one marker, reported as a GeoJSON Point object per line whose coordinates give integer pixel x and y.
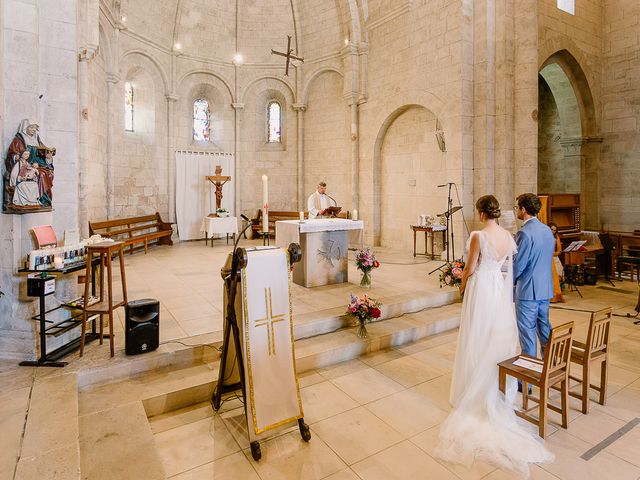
{"type": "Point", "coordinates": [142, 326]}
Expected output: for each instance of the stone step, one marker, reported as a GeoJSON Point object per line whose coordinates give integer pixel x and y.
{"type": "Point", "coordinates": [344, 344]}
{"type": "Point", "coordinates": [172, 388]}
{"type": "Point", "coordinates": [50, 447]}
{"type": "Point", "coordinates": [117, 444]}
{"type": "Point", "coordinates": [333, 319]}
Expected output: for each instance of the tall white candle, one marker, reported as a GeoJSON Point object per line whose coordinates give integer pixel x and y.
{"type": "Point", "coordinates": [265, 203]}
{"type": "Point", "coordinates": [355, 214]}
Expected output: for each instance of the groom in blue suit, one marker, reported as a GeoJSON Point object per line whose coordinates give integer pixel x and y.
{"type": "Point", "coordinates": [532, 275]}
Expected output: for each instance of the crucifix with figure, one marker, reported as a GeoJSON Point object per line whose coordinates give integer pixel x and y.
{"type": "Point", "coordinates": [289, 55]}
{"type": "Point", "coordinates": [218, 181]}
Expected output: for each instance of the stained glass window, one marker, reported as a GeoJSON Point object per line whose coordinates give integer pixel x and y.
{"type": "Point", "coordinates": [274, 122]}
{"type": "Point", "coordinates": [201, 120]}
{"type": "Point", "coordinates": [128, 107]}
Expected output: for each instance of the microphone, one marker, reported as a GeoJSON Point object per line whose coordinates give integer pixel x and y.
{"type": "Point", "coordinates": [334, 200]}
{"type": "Point", "coordinates": [244, 217]}
{"type": "Point", "coordinates": [446, 184]}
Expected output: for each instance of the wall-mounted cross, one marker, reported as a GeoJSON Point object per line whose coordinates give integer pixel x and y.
{"type": "Point", "coordinates": [289, 55]}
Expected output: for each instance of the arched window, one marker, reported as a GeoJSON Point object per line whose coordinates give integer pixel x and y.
{"type": "Point", "coordinates": [568, 6]}
{"type": "Point", "coordinates": [274, 122]}
{"type": "Point", "coordinates": [201, 120]}
{"type": "Point", "coordinates": [128, 107]}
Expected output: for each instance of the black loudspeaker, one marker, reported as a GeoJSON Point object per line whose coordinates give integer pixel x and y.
{"type": "Point", "coordinates": [142, 326]}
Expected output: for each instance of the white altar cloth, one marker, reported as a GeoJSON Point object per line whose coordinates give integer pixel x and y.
{"type": "Point", "coordinates": [288, 231]}
{"type": "Point", "coordinates": [219, 226]}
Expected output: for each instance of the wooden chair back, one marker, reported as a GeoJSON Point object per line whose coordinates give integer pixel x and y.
{"type": "Point", "coordinates": [558, 351]}
{"type": "Point", "coordinates": [599, 327]}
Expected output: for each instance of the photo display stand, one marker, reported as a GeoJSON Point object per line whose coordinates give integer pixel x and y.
{"type": "Point", "coordinates": [258, 354]}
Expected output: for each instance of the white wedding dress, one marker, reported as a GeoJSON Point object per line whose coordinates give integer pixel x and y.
{"type": "Point", "coordinates": [482, 425]}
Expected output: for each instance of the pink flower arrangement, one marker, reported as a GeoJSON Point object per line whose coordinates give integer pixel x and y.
{"type": "Point", "coordinates": [364, 308]}
{"type": "Point", "coordinates": [366, 260]}
{"type": "Point", "coordinates": [452, 273]}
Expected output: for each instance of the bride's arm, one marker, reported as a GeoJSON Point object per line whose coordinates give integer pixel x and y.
{"type": "Point", "coordinates": [472, 262]}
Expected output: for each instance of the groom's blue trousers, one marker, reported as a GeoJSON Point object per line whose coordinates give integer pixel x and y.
{"type": "Point", "coordinates": [533, 324]}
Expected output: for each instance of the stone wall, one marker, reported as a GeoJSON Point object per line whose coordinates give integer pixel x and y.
{"type": "Point", "coordinates": [620, 169]}
{"type": "Point", "coordinates": [38, 57]}
{"type": "Point", "coordinates": [326, 141]}
{"type": "Point", "coordinates": [97, 208]}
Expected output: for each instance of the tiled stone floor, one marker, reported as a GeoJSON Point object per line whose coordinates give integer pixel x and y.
{"type": "Point", "coordinates": [372, 418]}
{"type": "Point", "coordinates": [378, 417]}
{"type": "Point", "coordinates": [185, 278]}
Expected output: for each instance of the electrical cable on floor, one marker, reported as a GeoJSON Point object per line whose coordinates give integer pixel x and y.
{"type": "Point", "coordinates": [217, 349]}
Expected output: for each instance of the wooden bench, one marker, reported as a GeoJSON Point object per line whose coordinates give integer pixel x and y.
{"type": "Point", "coordinates": [135, 230]}
{"type": "Point", "coordinates": [275, 215]}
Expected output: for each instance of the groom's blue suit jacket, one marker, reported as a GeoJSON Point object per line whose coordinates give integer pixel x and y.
{"type": "Point", "coordinates": [533, 262]}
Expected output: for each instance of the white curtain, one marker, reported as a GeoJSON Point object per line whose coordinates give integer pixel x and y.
{"type": "Point", "coordinates": [195, 195]}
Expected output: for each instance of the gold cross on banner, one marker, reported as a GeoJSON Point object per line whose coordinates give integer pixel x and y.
{"type": "Point", "coordinates": [269, 321]}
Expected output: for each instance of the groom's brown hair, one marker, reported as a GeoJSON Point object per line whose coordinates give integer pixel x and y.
{"type": "Point", "coordinates": [530, 202]}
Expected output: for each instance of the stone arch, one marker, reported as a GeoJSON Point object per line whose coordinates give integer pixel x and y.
{"type": "Point", "coordinates": [422, 168]}
{"type": "Point", "coordinates": [568, 142]}
{"type": "Point", "coordinates": [105, 47]}
{"type": "Point", "coordinates": [214, 89]}
{"type": "Point", "coordinates": [133, 55]}
{"type": "Point", "coordinates": [313, 77]}
{"type": "Point", "coordinates": [217, 79]}
{"type": "Point", "coordinates": [247, 90]}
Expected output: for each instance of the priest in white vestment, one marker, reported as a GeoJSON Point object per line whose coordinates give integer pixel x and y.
{"type": "Point", "coordinates": [319, 201]}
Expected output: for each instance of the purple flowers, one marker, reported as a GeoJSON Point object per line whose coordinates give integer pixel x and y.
{"type": "Point", "coordinates": [366, 260]}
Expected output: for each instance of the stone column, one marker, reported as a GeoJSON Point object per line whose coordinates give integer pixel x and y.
{"type": "Point", "coordinates": [113, 102]}
{"type": "Point", "coordinates": [300, 108]}
{"type": "Point", "coordinates": [355, 154]}
{"type": "Point", "coordinates": [588, 149]}
{"type": "Point", "coordinates": [171, 161]}
{"type": "Point", "coordinates": [526, 97]}
{"type": "Point", "coordinates": [237, 108]}
{"type": "Point", "coordinates": [85, 55]}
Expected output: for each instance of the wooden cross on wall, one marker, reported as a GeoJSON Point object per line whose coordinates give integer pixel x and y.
{"type": "Point", "coordinates": [289, 55]}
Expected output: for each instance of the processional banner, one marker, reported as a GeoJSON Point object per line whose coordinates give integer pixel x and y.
{"type": "Point", "coordinates": [271, 381]}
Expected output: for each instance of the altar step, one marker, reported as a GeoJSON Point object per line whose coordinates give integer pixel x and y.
{"type": "Point", "coordinates": [177, 386]}
{"type": "Point", "coordinates": [114, 417]}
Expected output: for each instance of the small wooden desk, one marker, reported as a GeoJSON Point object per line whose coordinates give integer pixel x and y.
{"type": "Point", "coordinates": [429, 232]}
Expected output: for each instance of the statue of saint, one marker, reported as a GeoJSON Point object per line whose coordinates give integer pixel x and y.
{"type": "Point", "coordinates": [35, 166]}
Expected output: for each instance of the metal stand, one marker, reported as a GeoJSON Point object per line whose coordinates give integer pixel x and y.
{"type": "Point", "coordinates": [449, 237]}
{"type": "Point", "coordinates": [43, 361]}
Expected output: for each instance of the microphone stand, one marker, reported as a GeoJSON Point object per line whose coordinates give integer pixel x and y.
{"type": "Point", "coordinates": [449, 227]}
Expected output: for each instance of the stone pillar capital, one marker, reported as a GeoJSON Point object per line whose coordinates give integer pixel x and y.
{"type": "Point", "coordinates": [87, 53]}
{"type": "Point", "coordinates": [113, 78]}
{"type": "Point", "coordinates": [299, 107]}
{"type": "Point", "coordinates": [237, 106]}
{"type": "Point", "coordinates": [171, 97]}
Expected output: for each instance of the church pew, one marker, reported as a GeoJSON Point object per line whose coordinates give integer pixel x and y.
{"type": "Point", "coordinates": [135, 230]}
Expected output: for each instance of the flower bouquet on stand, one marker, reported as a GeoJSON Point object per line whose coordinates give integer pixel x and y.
{"type": "Point", "coordinates": [365, 262]}
{"type": "Point", "coordinates": [363, 309]}
{"type": "Point", "coordinates": [451, 275]}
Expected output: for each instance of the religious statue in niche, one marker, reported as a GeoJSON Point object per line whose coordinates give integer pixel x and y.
{"type": "Point", "coordinates": [28, 176]}
{"type": "Point", "coordinates": [218, 181]}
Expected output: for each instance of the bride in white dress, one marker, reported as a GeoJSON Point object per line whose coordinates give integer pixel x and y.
{"type": "Point", "coordinates": [482, 425]}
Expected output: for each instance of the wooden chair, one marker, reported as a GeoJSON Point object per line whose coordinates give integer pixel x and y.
{"type": "Point", "coordinates": [553, 370]}
{"type": "Point", "coordinates": [595, 350]}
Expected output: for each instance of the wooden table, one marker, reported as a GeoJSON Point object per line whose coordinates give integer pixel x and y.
{"type": "Point", "coordinates": [429, 232]}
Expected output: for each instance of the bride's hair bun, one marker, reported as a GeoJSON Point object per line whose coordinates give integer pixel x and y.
{"type": "Point", "coordinates": [489, 205]}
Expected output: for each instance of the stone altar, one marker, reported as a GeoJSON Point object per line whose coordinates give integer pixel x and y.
{"type": "Point", "coordinates": [324, 243]}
